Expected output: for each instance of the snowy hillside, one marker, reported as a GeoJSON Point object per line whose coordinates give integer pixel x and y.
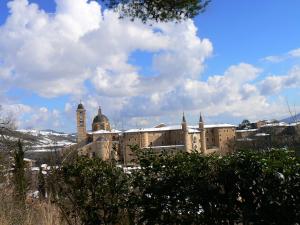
{"type": "Point", "coordinates": [46, 139]}
{"type": "Point", "coordinates": [292, 119]}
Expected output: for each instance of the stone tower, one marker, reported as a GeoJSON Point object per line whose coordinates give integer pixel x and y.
{"type": "Point", "coordinates": [203, 138]}
{"type": "Point", "coordinates": [81, 123]}
{"type": "Point", "coordinates": [185, 133]}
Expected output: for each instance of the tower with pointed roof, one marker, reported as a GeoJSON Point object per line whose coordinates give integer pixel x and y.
{"type": "Point", "coordinates": [185, 133]}
{"type": "Point", "coordinates": [81, 123]}
{"type": "Point", "coordinates": [202, 133]}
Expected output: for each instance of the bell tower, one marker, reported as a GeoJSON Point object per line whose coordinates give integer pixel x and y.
{"type": "Point", "coordinates": [81, 123]}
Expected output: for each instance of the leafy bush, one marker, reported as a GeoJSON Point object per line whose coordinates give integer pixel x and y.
{"type": "Point", "coordinates": [246, 187]}
{"type": "Point", "coordinates": [242, 188]}
{"type": "Point", "coordinates": [91, 190]}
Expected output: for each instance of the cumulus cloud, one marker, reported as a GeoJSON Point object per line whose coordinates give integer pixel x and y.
{"type": "Point", "coordinates": [275, 84]}
{"type": "Point", "coordinates": [25, 116]}
{"type": "Point", "coordinates": [55, 54]}
{"type": "Point", "coordinates": [232, 93]}
{"type": "Point", "coordinates": [84, 52]}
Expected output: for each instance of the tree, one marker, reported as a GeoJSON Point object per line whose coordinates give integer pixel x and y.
{"type": "Point", "coordinates": [244, 125]}
{"type": "Point", "coordinates": [41, 184]}
{"type": "Point", "coordinates": [6, 143]}
{"type": "Point", "coordinates": [91, 190]}
{"type": "Point", "coordinates": [158, 10]}
{"type": "Point", "coordinates": [13, 145]}
{"type": "Point", "coordinates": [247, 187]}
{"type": "Point", "coordinates": [20, 181]}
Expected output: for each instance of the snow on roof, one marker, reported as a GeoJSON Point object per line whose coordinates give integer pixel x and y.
{"type": "Point", "coordinates": [220, 125]}
{"type": "Point", "coordinates": [248, 130]}
{"type": "Point", "coordinates": [280, 124]}
{"type": "Point", "coordinates": [113, 131]}
{"type": "Point", "coordinates": [262, 135]}
{"type": "Point", "coordinates": [35, 169]}
{"type": "Point", "coordinates": [153, 129]}
{"type": "Point", "coordinates": [28, 160]}
{"type": "Point", "coordinates": [44, 166]}
{"type": "Point", "coordinates": [191, 129]}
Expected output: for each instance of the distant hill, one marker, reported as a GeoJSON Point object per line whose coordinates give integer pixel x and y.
{"type": "Point", "coordinates": [292, 119]}
{"type": "Point", "coordinates": [48, 138]}
{"type": "Point", "coordinates": [42, 145]}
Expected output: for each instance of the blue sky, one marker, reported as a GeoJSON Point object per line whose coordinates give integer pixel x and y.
{"type": "Point", "coordinates": [236, 60]}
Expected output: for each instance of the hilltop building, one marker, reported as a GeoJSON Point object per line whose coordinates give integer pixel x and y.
{"type": "Point", "coordinates": [108, 143]}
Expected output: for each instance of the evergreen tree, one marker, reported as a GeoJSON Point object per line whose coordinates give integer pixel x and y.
{"type": "Point", "coordinates": [41, 184]}
{"type": "Point", "coordinates": [20, 182]}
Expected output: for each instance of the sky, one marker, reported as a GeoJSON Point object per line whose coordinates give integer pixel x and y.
{"type": "Point", "coordinates": [234, 61]}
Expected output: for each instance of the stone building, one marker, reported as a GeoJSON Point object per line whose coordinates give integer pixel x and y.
{"type": "Point", "coordinates": [108, 143]}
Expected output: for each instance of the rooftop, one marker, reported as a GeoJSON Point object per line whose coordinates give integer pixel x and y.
{"type": "Point", "coordinates": [191, 129]}
{"type": "Point", "coordinates": [113, 131]}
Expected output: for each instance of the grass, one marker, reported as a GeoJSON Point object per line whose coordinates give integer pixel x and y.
{"type": "Point", "coordinates": [33, 213]}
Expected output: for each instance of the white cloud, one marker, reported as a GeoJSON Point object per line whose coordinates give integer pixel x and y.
{"type": "Point", "coordinates": [275, 84]}
{"type": "Point", "coordinates": [85, 53]}
{"type": "Point", "coordinates": [274, 58]}
{"type": "Point", "coordinates": [295, 53]}
{"type": "Point", "coordinates": [25, 116]}
{"type": "Point", "coordinates": [232, 93]}
{"type": "Point", "coordinates": [55, 54]}
{"type": "Point", "coordinates": [118, 85]}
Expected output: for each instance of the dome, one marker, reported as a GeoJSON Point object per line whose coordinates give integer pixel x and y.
{"type": "Point", "coordinates": [100, 122]}
{"type": "Point", "coordinates": [80, 106]}
{"type": "Point", "coordinates": [100, 119]}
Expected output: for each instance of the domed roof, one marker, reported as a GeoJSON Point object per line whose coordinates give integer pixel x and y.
{"type": "Point", "coordinates": [100, 118]}
{"type": "Point", "coordinates": [80, 106]}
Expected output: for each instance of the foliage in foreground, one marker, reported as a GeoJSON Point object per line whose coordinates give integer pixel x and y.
{"type": "Point", "coordinates": [91, 191]}
{"type": "Point", "coordinates": [246, 187]}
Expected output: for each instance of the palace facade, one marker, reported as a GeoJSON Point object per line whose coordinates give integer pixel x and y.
{"type": "Point", "coordinates": [107, 143]}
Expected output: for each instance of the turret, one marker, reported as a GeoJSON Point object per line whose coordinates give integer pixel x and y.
{"type": "Point", "coordinates": [203, 138]}
{"type": "Point", "coordinates": [185, 133]}
{"type": "Point", "coordinates": [81, 123]}
{"type": "Point", "coordinates": [183, 123]}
